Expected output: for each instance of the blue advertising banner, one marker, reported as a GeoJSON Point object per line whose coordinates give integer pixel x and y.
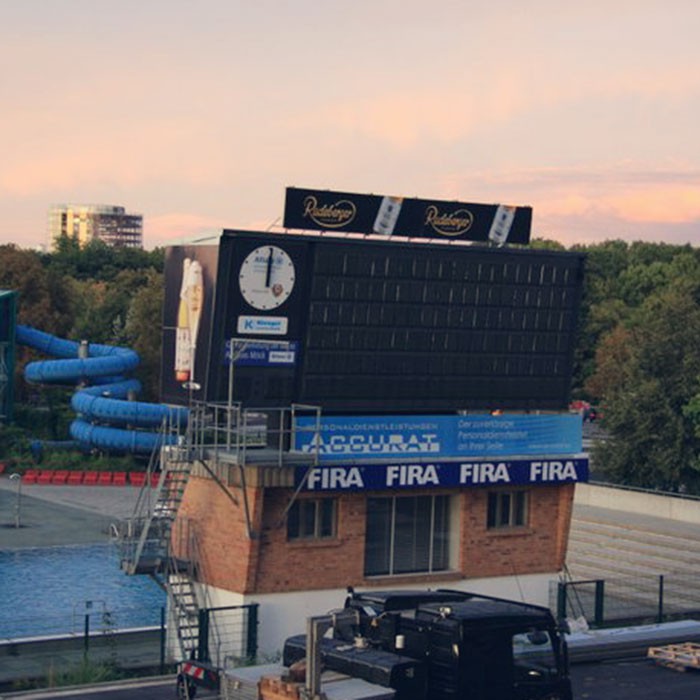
{"type": "Point", "coordinates": [479, 435]}
{"type": "Point", "coordinates": [264, 354]}
{"type": "Point", "coordinates": [462, 474]}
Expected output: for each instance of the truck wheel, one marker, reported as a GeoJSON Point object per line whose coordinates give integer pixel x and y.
{"type": "Point", "coordinates": [186, 690]}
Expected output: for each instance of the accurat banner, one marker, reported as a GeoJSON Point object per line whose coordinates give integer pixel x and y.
{"type": "Point", "coordinates": [344, 438]}
{"type": "Point", "coordinates": [326, 210]}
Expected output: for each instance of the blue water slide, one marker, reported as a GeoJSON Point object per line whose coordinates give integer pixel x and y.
{"type": "Point", "coordinates": [106, 417]}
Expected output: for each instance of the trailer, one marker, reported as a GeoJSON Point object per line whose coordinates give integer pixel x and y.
{"type": "Point", "coordinates": [414, 645]}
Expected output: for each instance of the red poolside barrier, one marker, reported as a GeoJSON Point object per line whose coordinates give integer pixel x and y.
{"type": "Point", "coordinates": [90, 478]}
{"type": "Point", "coordinates": [30, 476]}
{"type": "Point", "coordinates": [137, 478]}
{"type": "Point", "coordinates": [119, 479]}
{"type": "Point", "coordinates": [75, 478]}
{"type": "Point", "coordinates": [104, 478]}
{"type": "Point", "coordinates": [45, 476]}
{"type": "Point", "coordinates": [60, 476]}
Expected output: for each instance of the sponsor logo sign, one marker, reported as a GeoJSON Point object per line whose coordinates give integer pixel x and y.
{"type": "Point", "coordinates": [263, 354]}
{"type": "Point", "coordinates": [441, 474]}
{"type": "Point", "coordinates": [347, 438]}
{"type": "Point", "coordinates": [262, 325]}
{"type": "Point", "coordinates": [453, 223]}
{"type": "Point", "coordinates": [333, 214]}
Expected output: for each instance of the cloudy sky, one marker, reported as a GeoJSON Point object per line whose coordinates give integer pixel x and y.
{"type": "Point", "coordinates": [199, 114]}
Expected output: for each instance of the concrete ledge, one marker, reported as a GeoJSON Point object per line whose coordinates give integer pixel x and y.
{"type": "Point", "coordinates": [33, 658]}
{"type": "Point", "coordinates": [660, 505]}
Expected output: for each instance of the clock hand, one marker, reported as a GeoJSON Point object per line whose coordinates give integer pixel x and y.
{"type": "Point", "coordinates": [269, 268]}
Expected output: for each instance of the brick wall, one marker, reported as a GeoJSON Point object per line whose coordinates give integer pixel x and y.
{"type": "Point", "coordinates": [268, 563]}
{"type": "Point", "coordinates": [228, 555]}
{"type": "Point", "coordinates": [538, 548]}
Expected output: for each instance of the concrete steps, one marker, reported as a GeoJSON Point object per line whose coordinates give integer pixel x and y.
{"type": "Point", "coordinates": [628, 547]}
{"type": "Point", "coordinates": [631, 553]}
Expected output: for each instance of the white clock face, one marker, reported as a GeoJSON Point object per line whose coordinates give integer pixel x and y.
{"type": "Point", "coordinates": [266, 277]}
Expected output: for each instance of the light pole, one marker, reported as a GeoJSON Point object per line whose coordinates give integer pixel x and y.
{"type": "Point", "coordinates": [18, 503]}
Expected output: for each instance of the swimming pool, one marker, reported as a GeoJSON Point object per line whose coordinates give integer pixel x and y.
{"type": "Point", "coordinates": [51, 590]}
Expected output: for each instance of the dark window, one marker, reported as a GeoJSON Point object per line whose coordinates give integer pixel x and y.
{"type": "Point", "coordinates": [407, 535]}
{"type": "Point", "coordinates": [507, 509]}
{"type": "Point", "coordinates": [311, 519]}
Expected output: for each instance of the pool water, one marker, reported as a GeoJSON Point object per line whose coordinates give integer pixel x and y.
{"type": "Point", "coordinates": [51, 590]}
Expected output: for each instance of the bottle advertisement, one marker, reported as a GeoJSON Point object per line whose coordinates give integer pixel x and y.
{"type": "Point", "coordinates": [190, 278]}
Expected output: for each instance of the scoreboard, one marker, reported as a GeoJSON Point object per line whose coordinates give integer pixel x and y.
{"type": "Point", "coordinates": [382, 326]}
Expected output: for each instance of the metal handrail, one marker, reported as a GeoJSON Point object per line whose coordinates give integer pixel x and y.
{"type": "Point", "coordinates": [218, 427]}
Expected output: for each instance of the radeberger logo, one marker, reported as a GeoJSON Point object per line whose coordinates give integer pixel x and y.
{"type": "Point", "coordinates": [452, 224]}
{"type": "Point", "coordinates": [329, 215]}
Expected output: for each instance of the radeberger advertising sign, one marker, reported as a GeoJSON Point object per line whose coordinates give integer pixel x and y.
{"type": "Point", "coordinates": [326, 210]}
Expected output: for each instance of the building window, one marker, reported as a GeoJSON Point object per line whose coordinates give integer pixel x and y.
{"type": "Point", "coordinates": [310, 519]}
{"type": "Point", "coordinates": [507, 509]}
{"type": "Point", "coordinates": [407, 535]}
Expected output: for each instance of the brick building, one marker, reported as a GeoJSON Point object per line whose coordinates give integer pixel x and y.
{"type": "Point", "coordinates": [273, 535]}
{"type": "Point", "coordinates": [442, 453]}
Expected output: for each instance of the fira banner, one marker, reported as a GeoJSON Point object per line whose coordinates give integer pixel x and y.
{"type": "Point", "coordinates": [442, 474]}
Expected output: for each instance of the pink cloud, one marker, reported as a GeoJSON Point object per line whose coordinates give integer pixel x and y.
{"type": "Point", "coordinates": [172, 228]}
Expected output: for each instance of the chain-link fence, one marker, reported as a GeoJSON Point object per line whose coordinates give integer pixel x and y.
{"type": "Point", "coordinates": [627, 600]}
{"type": "Point", "coordinates": [228, 636]}
{"type": "Point", "coordinates": [94, 634]}
{"type": "Point", "coordinates": [95, 616]}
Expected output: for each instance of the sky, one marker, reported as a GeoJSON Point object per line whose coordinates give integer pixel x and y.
{"type": "Point", "coordinates": [198, 115]}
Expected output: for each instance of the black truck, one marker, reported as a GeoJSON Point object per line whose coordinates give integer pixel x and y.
{"type": "Point", "coordinates": [445, 645]}
{"type": "Point", "coordinates": [429, 645]}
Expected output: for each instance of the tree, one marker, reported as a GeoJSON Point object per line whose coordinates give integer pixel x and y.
{"type": "Point", "coordinates": [143, 323]}
{"type": "Point", "coordinates": [647, 374]}
{"type": "Point", "coordinates": [43, 299]}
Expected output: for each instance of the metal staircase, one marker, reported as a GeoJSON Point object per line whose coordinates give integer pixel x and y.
{"type": "Point", "coordinates": [145, 538]}
{"type": "Point", "coordinates": [183, 600]}
{"type": "Point", "coordinates": [158, 543]}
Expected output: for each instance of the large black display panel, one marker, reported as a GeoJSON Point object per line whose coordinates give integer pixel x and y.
{"type": "Point", "coordinates": [417, 328]}
{"type": "Point", "coordinates": [386, 327]}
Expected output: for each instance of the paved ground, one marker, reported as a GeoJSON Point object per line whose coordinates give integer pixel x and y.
{"type": "Point", "coordinates": [60, 515]}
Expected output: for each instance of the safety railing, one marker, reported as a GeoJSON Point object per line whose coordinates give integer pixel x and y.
{"type": "Point", "coordinates": [627, 600]}
{"type": "Point", "coordinates": [217, 428]}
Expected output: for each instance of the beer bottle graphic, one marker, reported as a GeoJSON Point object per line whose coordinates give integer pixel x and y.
{"type": "Point", "coordinates": [501, 224]}
{"type": "Point", "coordinates": [188, 316]}
{"type": "Point", "coordinates": [388, 215]}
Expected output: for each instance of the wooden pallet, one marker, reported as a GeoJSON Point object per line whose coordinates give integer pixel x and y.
{"type": "Point", "coordinates": [679, 657]}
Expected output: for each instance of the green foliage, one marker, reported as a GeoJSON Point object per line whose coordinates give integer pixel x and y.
{"type": "Point", "coordinates": [104, 295]}
{"type": "Point", "coordinates": [85, 673]}
{"type": "Point", "coordinates": [646, 368]}
{"type": "Point", "coordinates": [638, 352]}
{"type": "Point", "coordinates": [144, 314]}
{"type": "Point", "coordinates": [43, 300]}
{"type": "Point", "coordinates": [99, 262]}
{"type": "Point", "coordinates": [13, 442]}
